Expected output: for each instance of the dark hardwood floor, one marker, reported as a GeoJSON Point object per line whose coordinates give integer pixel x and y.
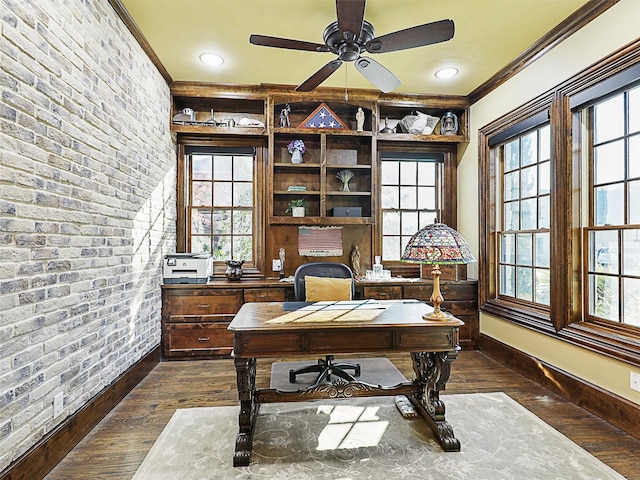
{"type": "Point", "coordinates": [118, 445]}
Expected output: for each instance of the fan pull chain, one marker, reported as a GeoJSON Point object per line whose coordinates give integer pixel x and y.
{"type": "Point", "coordinates": [346, 92]}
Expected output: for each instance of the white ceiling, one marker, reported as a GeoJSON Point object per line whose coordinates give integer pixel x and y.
{"type": "Point", "coordinates": [489, 35]}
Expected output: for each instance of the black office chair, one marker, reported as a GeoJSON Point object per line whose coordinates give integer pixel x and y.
{"type": "Point", "coordinates": [325, 367]}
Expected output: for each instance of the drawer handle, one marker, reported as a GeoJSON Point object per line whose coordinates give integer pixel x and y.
{"type": "Point", "coordinates": [204, 339]}
{"type": "Point", "coordinates": [203, 305]}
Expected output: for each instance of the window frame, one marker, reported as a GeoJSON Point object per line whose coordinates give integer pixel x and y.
{"type": "Point", "coordinates": [566, 318]}
{"type": "Point", "coordinates": [183, 221]}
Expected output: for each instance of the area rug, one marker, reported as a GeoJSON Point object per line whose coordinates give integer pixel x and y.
{"type": "Point", "coordinates": [367, 438]}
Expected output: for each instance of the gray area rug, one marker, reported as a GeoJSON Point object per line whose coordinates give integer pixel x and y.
{"type": "Point", "coordinates": [367, 438]}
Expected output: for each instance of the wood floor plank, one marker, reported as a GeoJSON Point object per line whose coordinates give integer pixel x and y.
{"type": "Point", "coordinates": [116, 447]}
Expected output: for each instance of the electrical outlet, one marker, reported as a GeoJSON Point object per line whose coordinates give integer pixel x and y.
{"type": "Point", "coordinates": [635, 381]}
{"type": "Point", "coordinates": [58, 404]}
{"type": "Point", "coordinates": [276, 266]}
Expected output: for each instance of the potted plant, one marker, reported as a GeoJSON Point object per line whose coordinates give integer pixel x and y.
{"type": "Point", "coordinates": [296, 148]}
{"type": "Point", "coordinates": [297, 207]}
{"type": "Point", "coordinates": [345, 176]}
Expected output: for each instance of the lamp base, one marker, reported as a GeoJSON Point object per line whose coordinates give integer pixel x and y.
{"type": "Point", "coordinates": [437, 316]}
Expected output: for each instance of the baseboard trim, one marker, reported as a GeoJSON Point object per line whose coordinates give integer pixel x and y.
{"type": "Point", "coordinates": [612, 408]}
{"type": "Point", "coordinates": [48, 452]}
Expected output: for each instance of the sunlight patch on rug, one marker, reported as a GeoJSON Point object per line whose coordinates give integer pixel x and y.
{"type": "Point", "coordinates": [367, 438]}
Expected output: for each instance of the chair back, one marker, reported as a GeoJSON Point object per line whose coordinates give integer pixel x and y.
{"type": "Point", "coordinates": [320, 269]}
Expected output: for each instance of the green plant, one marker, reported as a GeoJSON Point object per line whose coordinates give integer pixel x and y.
{"type": "Point", "coordinates": [297, 202]}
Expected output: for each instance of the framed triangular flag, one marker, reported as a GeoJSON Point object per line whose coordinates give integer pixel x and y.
{"type": "Point", "coordinates": [322, 117]}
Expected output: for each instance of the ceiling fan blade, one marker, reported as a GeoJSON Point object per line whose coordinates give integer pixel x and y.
{"type": "Point", "coordinates": [350, 17]}
{"type": "Point", "coordinates": [320, 76]}
{"type": "Point", "coordinates": [378, 75]}
{"type": "Point", "coordinates": [417, 36]}
{"type": "Point", "coordinates": [278, 42]}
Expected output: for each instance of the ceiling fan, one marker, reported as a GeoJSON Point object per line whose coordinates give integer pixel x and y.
{"type": "Point", "coordinates": [352, 35]}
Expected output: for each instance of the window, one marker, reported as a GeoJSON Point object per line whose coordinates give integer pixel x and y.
{"type": "Point", "coordinates": [220, 192]}
{"type": "Point", "coordinates": [525, 186]}
{"type": "Point", "coordinates": [612, 241]}
{"type": "Point", "coordinates": [410, 197]}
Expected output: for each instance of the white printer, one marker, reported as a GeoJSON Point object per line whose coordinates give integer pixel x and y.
{"type": "Point", "coordinates": [187, 268]}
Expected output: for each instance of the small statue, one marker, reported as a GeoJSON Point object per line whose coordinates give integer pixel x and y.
{"type": "Point", "coordinates": [281, 255]}
{"type": "Point", "coordinates": [360, 120]}
{"type": "Point", "coordinates": [355, 260]}
{"type": "Point", "coordinates": [284, 116]}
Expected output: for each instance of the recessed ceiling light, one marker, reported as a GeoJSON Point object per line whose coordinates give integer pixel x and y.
{"type": "Point", "coordinates": [447, 72]}
{"type": "Point", "coordinates": [211, 59]}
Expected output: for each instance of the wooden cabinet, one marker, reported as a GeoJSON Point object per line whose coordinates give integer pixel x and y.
{"type": "Point", "coordinates": [195, 317]}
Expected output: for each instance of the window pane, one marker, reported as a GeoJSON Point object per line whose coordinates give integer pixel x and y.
{"type": "Point", "coordinates": [222, 167]}
{"type": "Point", "coordinates": [543, 286]}
{"type": "Point", "coordinates": [242, 195]}
{"type": "Point", "coordinates": [609, 119]}
{"type": "Point", "coordinates": [609, 163]}
{"type": "Point", "coordinates": [511, 215]}
{"type": "Point", "coordinates": [221, 248]}
{"type": "Point", "coordinates": [512, 155]}
{"type": "Point", "coordinates": [524, 283]}
{"type": "Point", "coordinates": [529, 182]}
{"type": "Point", "coordinates": [544, 178]}
{"type": "Point", "coordinates": [634, 202]}
{"type": "Point", "coordinates": [512, 186]}
{"type": "Point", "coordinates": [201, 194]}
{"type": "Point", "coordinates": [609, 205]}
{"type": "Point", "coordinates": [200, 221]}
{"type": "Point", "coordinates": [544, 212]}
{"type": "Point", "coordinates": [528, 214]}
{"type": "Point", "coordinates": [426, 198]}
{"type": "Point", "coordinates": [426, 173]}
{"type": "Point", "coordinates": [529, 149]}
{"type": "Point", "coordinates": [243, 169]}
{"type": "Point", "coordinates": [634, 110]}
{"type": "Point", "coordinates": [508, 248]}
{"type": "Point", "coordinates": [391, 223]}
{"type": "Point", "coordinates": [507, 281]}
{"type": "Point", "coordinates": [524, 249]}
{"type": "Point", "coordinates": [631, 253]}
{"type": "Point", "coordinates": [408, 198]}
{"type": "Point", "coordinates": [543, 249]}
{"type": "Point", "coordinates": [201, 167]}
{"type": "Point", "coordinates": [545, 143]}
{"type": "Point", "coordinates": [390, 197]}
{"type": "Point", "coordinates": [408, 172]}
{"type": "Point", "coordinates": [242, 248]}
{"type": "Point", "coordinates": [631, 296]}
{"type": "Point", "coordinates": [409, 223]}
{"type": "Point", "coordinates": [222, 194]}
{"type": "Point", "coordinates": [603, 297]}
{"type": "Point", "coordinates": [390, 173]}
{"type": "Point", "coordinates": [200, 244]}
{"type": "Point", "coordinates": [391, 248]}
{"type": "Point", "coordinates": [634, 156]}
{"type": "Point", "coordinates": [222, 221]}
{"type": "Point", "coordinates": [242, 222]}
{"type": "Point", "coordinates": [603, 251]}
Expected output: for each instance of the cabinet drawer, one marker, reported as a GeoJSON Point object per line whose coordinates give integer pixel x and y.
{"type": "Point", "coordinates": [225, 301]}
{"type": "Point", "coordinates": [389, 292]}
{"type": "Point", "coordinates": [203, 337]}
{"type": "Point", "coordinates": [264, 295]}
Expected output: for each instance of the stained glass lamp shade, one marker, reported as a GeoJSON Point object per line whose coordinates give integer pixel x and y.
{"type": "Point", "coordinates": [437, 244]}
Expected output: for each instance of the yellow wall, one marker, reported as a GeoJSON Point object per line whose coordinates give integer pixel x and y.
{"type": "Point", "coordinates": [615, 28]}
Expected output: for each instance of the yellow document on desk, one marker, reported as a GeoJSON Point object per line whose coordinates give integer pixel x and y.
{"type": "Point", "coordinates": [323, 312]}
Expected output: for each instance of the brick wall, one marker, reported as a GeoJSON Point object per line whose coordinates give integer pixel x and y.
{"type": "Point", "coordinates": [87, 209]}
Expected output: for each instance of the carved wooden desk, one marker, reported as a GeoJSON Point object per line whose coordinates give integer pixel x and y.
{"type": "Point", "coordinates": [265, 330]}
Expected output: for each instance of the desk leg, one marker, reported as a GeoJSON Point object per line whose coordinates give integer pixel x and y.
{"type": "Point", "coordinates": [432, 372]}
{"type": "Point", "coordinates": [246, 380]}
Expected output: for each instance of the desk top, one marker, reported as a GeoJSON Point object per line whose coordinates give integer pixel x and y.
{"type": "Point", "coordinates": [271, 316]}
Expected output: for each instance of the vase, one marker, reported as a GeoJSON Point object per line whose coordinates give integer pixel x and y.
{"type": "Point", "coordinates": [234, 269]}
{"type": "Point", "coordinates": [345, 187]}
{"type": "Point", "coordinates": [297, 212]}
{"type": "Point", "coordinates": [296, 157]}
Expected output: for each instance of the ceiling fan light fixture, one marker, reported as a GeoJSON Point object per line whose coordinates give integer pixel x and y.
{"type": "Point", "coordinates": [447, 72]}
{"type": "Point", "coordinates": [211, 59]}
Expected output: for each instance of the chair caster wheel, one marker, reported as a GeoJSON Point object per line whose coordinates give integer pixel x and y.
{"type": "Point", "coordinates": [292, 376]}
{"type": "Point", "coordinates": [356, 372]}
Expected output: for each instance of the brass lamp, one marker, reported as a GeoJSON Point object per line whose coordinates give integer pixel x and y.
{"type": "Point", "coordinates": [437, 244]}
